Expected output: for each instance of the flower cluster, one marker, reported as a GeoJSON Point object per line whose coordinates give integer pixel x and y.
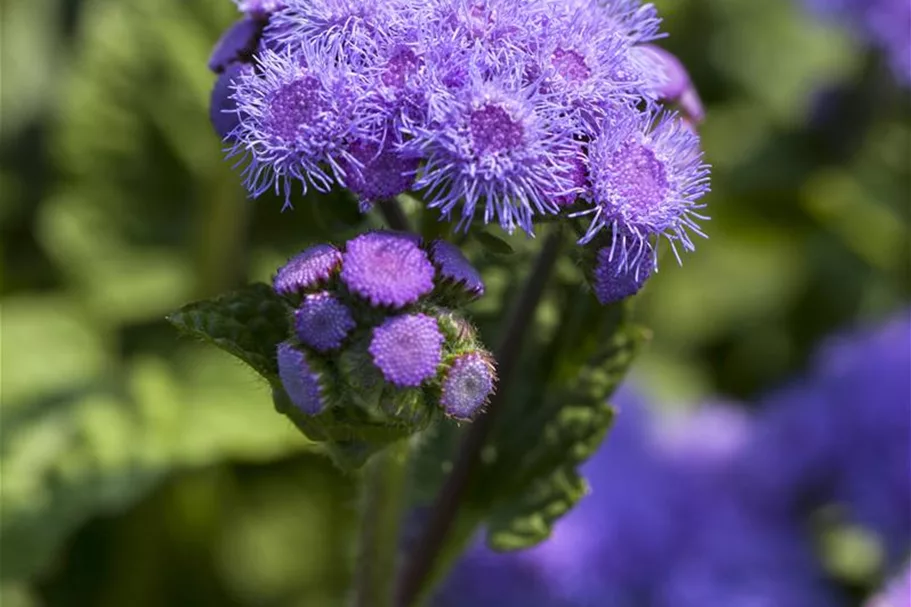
{"type": "Point", "coordinates": [885, 24]}
{"type": "Point", "coordinates": [372, 326]}
{"type": "Point", "coordinates": [713, 507]}
{"type": "Point", "coordinates": [498, 111]}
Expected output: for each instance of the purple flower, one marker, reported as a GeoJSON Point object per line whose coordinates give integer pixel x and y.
{"type": "Point", "coordinates": [222, 106]}
{"type": "Point", "coordinates": [883, 23]}
{"type": "Point", "coordinates": [787, 465]}
{"type": "Point", "coordinates": [574, 170]}
{"type": "Point", "coordinates": [616, 277]}
{"type": "Point", "coordinates": [322, 322]}
{"type": "Point", "coordinates": [297, 115]}
{"type": "Point", "coordinates": [665, 525]}
{"type": "Point", "coordinates": [236, 45]}
{"type": "Point", "coordinates": [308, 269]}
{"type": "Point", "coordinates": [395, 84]}
{"type": "Point", "coordinates": [634, 21]}
{"type": "Point", "coordinates": [453, 266]}
{"type": "Point", "coordinates": [897, 592]}
{"type": "Point", "coordinates": [671, 81]}
{"type": "Point", "coordinates": [586, 61]}
{"type": "Point", "coordinates": [407, 349]}
{"type": "Point", "coordinates": [387, 269]}
{"type": "Point", "coordinates": [260, 9]}
{"type": "Point", "coordinates": [865, 378]}
{"type": "Point", "coordinates": [337, 27]}
{"type": "Point", "coordinates": [647, 177]}
{"type": "Point", "coordinates": [842, 436]}
{"type": "Point", "coordinates": [495, 145]}
{"type": "Point", "coordinates": [380, 173]}
{"type": "Point", "coordinates": [487, 34]}
{"type": "Point", "coordinates": [468, 384]}
{"type": "Point", "coordinates": [300, 381]}
{"type": "Point", "coordinates": [487, 108]}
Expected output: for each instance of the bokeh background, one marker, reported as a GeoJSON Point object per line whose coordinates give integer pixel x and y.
{"type": "Point", "coordinates": [142, 469]}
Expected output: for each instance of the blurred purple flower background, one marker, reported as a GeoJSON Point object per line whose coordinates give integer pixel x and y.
{"type": "Point", "coordinates": [884, 24]}
{"type": "Point", "coordinates": [714, 506]}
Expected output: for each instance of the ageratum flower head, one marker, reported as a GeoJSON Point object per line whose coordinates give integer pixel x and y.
{"type": "Point", "coordinates": [896, 591]}
{"type": "Point", "coordinates": [494, 111]}
{"type": "Point", "coordinates": [647, 176]}
{"type": "Point", "coordinates": [296, 114]}
{"type": "Point", "coordinates": [493, 149]}
{"type": "Point", "coordinates": [374, 339]}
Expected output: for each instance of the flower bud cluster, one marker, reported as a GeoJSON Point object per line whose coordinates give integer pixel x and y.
{"type": "Point", "coordinates": [374, 329]}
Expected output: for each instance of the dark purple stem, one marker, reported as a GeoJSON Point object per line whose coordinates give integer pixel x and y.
{"type": "Point", "coordinates": [448, 501]}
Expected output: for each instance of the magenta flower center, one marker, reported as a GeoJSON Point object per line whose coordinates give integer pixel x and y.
{"type": "Point", "coordinates": [570, 65]}
{"type": "Point", "coordinates": [493, 130]}
{"type": "Point", "coordinates": [294, 105]}
{"type": "Point", "coordinates": [639, 177]}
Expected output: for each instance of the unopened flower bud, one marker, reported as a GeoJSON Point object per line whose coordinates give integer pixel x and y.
{"type": "Point", "coordinates": [300, 380]}
{"type": "Point", "coordinates": [387, 269]}
{"type": "Point", "coordinates": [236, 45]}
{"type": "Point", "coordinates": [454, 267]}
{"type": "Point", "coordinates": [407, 349]}
{"type": "Point", "coordinates": [322, 322]}
{"type": "Point", "coordinates": [467, 386]}
{"type": "Point", "coordinates": [614, 281]}
{"type": "Point", "coordinates": [674, 84]}
{"type": "Point", "coordinates": [307, 270]}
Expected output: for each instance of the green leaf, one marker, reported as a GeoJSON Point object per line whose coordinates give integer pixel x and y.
{"type": "Point", "coordinates": [531, 482]}
{"type": "Point", "coordinates": [350, 434]}
{"type": "Point", "coordinates": [554, 421]}
{"type": "Point", "coordinates": [95, 450]}
{"type": "Point", "coordinates": [528, 521]}
{"type": "Point", "coordinates": [495, 245]}
{"type": "Point", "coordinates": [248, 323]}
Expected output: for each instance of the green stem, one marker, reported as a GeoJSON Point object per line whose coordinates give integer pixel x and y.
{"type": "Point", "coordinates": [383, 506]}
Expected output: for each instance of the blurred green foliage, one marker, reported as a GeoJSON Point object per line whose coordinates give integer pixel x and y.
{"type": "Point", "coordinates": [141, 468]}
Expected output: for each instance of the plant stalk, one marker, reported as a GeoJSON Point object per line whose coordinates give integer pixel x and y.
{"type": "Point", "coordinates": [382, 509]}
{"type": "Point", "coordinates": [394, 215]}
{"type": "Point", "coordinates": [445, 509]}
